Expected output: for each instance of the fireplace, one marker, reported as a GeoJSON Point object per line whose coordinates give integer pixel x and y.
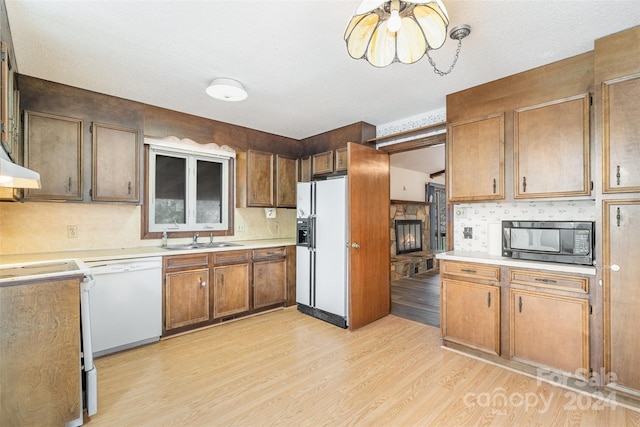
{"type": "Point", "coordinates": [408, 236]}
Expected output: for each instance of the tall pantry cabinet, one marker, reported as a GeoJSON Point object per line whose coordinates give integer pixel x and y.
{"type": "Point", "coordinates": [617, 83]}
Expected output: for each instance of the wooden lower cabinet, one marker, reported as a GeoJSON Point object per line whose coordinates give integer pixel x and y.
{"type": "Point", "coordinates": [550, 330]}
{"type": "Point", "coordinates": [471, 314]}
{"type": "Point", "coordinates": [186, 298]}
{"type": "Point", "coordinates": [230, 290]}
{"type": "Point", "coordinates": [40, 353]}
{"type": "Point", "coordinates": [204, 288]}
{"type": "Point", "coordinates": [269, 277]}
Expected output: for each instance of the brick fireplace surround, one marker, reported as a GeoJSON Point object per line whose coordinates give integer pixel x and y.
{"type": "Point", "coordinates": [409, 264]}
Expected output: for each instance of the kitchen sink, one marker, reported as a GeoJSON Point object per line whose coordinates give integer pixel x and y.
{"type": "Point", "coordinates": [187, 246]}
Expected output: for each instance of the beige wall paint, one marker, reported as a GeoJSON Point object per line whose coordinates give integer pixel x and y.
{"type": "Point", "coordinates": [410, 185]}
{"type": "Point", "coordinates": [42, 227]}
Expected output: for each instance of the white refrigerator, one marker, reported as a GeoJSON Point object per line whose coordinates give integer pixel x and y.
{"type": "Point", "coordinates": [321, 252]}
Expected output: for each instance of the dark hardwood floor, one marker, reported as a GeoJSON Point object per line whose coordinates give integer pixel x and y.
{"type": "Point", "coordinates": [417, 298]}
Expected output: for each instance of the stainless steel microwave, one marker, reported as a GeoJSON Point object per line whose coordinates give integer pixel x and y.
{"type": "Point", "coordinates": [569, 242]}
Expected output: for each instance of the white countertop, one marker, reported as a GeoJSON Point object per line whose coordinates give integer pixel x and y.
{"type": "Point", "coordinates": [137, 252]}
{"type": "Point", "coordinates": [485, 258]}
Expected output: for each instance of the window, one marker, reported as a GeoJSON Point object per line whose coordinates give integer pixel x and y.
{"type": "Point", "coordinates": [188, 187]}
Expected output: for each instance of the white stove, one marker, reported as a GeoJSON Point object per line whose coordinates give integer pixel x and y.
{"type": "Point", "coordinates": [17, 274]}
{"type": "Point", "coordinates": [41, 270]}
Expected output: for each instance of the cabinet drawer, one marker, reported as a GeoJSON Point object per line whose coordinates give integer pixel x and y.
{"type": "Point", "coordinates": [550, 280]}
{"type": "Point", "coordinates": [181, 261]}
{"type": "Point", "coordinates": [265, 253]}
{"type": "Point", "coordinates": [230, 257]}
{"type": "Point", "coordinates": [471, 270]}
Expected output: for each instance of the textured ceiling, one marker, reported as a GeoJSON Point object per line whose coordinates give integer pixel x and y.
{"type": "Point", "coordinates": [290, 55]}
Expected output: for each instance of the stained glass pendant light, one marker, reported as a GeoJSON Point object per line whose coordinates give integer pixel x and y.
{"type": "Point", "coordinates": [400, 31]}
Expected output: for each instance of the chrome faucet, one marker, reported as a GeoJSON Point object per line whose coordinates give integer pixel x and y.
{"type": "Point", "coordinates": [210, 237]}
{"type": "Point", "coordinates": [195, 238]}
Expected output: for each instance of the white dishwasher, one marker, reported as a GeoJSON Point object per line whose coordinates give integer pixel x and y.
{"type": "Point", "coordinates": [125, 303]}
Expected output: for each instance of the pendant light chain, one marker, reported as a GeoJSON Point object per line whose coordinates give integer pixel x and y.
{"type": "Point", "coordinates": [455, 59]}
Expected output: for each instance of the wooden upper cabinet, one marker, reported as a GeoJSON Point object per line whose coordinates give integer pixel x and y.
{"type": "Point", "coordinates": [551, 149]}
{"type": "Point", "coordinates": [116, 160]}
{"type": "Point", "coordinates": [341, 159]}
{"type": "Point", "coordinates": [53, 148]}
{"type": "Point", "coordinates": [322, 163]}
{"type": "Point", "coordinates": [286, 180]}
{"type": "Point", "coordinates": [475, 159]}
{"type": "Point", "coordinates": [305, 169]}
{"type": "Point", "coordinates": [255, 179]}
{"type": "Point", "coordinates": [621, 134]}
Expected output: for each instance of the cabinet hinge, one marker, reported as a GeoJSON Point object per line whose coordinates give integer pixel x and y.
{"type": "Point", "coordinates": [91, 192]}
{"type": "Point", "coordinates": [590, 309]}
{"type": "Point", "coordinates": [591, 186]}
{"type": "Point", "coordinates": [2, 126]}
{"type": "Point", "coordinates": [590, 99]}
{"type": "Point", "coordinates": [3, 56]}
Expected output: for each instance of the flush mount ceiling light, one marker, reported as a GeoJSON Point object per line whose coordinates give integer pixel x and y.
{"type": "Point", "coordinates": [227, 90]}
{"type": "Point", "coordinates": [400, 31]}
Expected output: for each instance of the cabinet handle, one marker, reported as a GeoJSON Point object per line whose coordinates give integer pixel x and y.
{"type": "Point", "coordinates": [355, 245]}
{"type": "Point", "coordinates": [519, 304]}
{"type": "Point", "coordinates": [618, 174]}
{"type": "Point", "coordinates": [494, 186]}
{"type": "Point", "coordinates": [222, 279]}
{"type": "Point", "coordinates": [69, 184]}
{"type": "Point", "coordinates": [254, 194]}
{"type": "Point", "coordinates": [202, 282]}
{"type": "Point", "coordinates": [545, 280]}
{"type": "Point", "coordinates": [524, 184]}
{"type": "Point", "coordinates": [282, 197]}
{"type": "Point", "coordinates": [618, 216]}
{"type": "Point", "coordinates": [326, 163]}
{"type": "Point", "coordinates": [488, 299]}
{"type": "Point", "coordinates": [466, 270]}
{"type": "Point", "coordinates": [129, 188]}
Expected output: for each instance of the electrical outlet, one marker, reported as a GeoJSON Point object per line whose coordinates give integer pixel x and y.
{"type": "Point", "coordinates": [72, 231]}
{"type": "Point", "coordinates": [270, 212]}
{"type": "Point", "coordinates": [241, 227]}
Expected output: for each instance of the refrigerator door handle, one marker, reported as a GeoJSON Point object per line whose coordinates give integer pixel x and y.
{"type": "Point", "coordinates": [312, 231]}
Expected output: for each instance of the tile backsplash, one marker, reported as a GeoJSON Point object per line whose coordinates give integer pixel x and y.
{"type": "Point", "coordinates": [484, 219]}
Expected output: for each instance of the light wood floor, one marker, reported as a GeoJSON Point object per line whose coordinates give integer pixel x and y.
{"type": "Point", "coordinates": [286, 368]}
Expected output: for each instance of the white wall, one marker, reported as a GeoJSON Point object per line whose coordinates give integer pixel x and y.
{"type": "Point", "coordinates": [410, 185]}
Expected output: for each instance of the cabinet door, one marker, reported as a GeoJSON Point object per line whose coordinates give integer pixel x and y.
{"type": "Point", "coordinates": [322, 163]}
{"type": "Point", "coordinates": [475, 159]}
{"type": "Point", "coordinates": [341, 159]}
{"type": "Point", "coordinates": [186, 298]}
{"type": "Point", "coordinates": [622, 292]}
{"type": "Point", "coordinates": [621, 133]}
{"type": "Point", "coordinates": [269, 282]}
{"type": "Point", "coordinates": [40, 353]}
{"type": "Point", "coordinates": [260, 179]}
{"type": "Point", "coordinates": [116, 156]}
{"type": "Point", "coordinates": [230, 290]}
{"type": "Point", "coordinates": [471, 314]}
{"type": "Point", "coordinates": [305, 169]}
{"type": "Point", "coordinates": [53, 148]}
{"type": "Point", "coordinates": [550, 330]}
{"type": "Point", "coordinates": [551, 149]}
{"type": "Point", "coordinates": [286, 171]}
